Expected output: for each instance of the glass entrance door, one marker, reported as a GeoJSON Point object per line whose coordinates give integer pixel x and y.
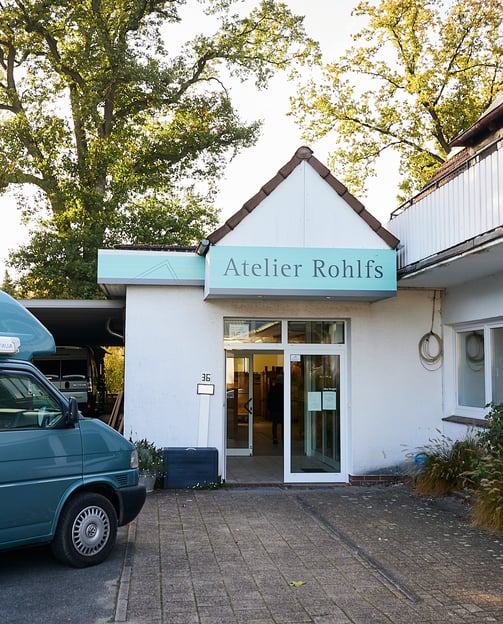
{"type": "Point", "coordinates": [315, 422]}
{"type": "Point", "coordinates": [251, 379]}
{"type": "Point", "coordinates": [239, 404]}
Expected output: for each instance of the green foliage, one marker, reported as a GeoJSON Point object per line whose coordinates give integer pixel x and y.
{"type": "Point", "coordinates": [492, 437]}
{"type": "Point", "coordinates": [108, 118]}
{"type": "Point", "coordinates": [487, 510]}
{"type": "Point", "coordinates": [150, 458]}
{"type": "Point", "coordinates": [114, 369]}
{"type": "Point", "coordinates": [431, 68]}
{"type": "Point", "coordinates": [60, 261]}
{"type": "Point", "coordinates": [447, 465]}
{"type": "Point", "coordinates": [475, 463]}
{"type": "Point", "coordinates": [8, 285]}
{"type": "Point", "coordinates": [208, 486]}
{"type": "Point", "coordinates": [163, 220]}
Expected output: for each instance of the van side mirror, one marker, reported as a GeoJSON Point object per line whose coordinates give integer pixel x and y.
{"type": "Point", "coordinates": [72, 415]}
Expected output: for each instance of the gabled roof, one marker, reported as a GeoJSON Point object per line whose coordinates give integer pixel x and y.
{"type": "Point", "coordinates": [303, 154]}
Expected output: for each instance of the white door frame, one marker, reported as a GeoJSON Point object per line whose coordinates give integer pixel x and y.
{"type": "Point", "coordinates": [248, 450]}
{"type": "Point", "coordinates": [291, 351]}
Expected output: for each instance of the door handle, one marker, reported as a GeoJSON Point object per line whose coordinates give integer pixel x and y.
{"type": "Point", "coordinates": [247, 406]}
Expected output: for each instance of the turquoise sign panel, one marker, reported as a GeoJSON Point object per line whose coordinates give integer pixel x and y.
{"type": "Point", "coordinates": [286, 271]}
{"type": "Point", "coordinates": [152, 267]}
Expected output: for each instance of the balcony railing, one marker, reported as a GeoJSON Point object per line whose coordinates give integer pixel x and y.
{"type": "Point", "coordinates": [465, 202]}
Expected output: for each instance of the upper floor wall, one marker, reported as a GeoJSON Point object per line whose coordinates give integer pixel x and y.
{"type": "Point", "coordinates": [463, 203]}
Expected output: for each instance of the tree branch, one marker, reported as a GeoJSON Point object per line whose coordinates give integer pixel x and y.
{"type": "Point", "coordinates": [399, 139]}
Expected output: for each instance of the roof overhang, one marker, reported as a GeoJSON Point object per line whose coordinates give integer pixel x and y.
{"type": "Point", "coordinates": [81, 322]}
{"type": "Point", "coordinates": [471, 260]}
{"type": "Point", "coordinates": [489, 122]}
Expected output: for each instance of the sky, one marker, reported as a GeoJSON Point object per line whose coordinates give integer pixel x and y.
{"type": "Point", "coordinates": [331, 24]}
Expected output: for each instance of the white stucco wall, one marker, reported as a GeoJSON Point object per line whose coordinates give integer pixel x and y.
{"type": "Point", "coordinates": [171, 340]}
{"type": "Point", "coordinates": [173, 337]}
{"type": "Point", "coordinates": [397, 402]}
{"type": "Point", "coordinates": [481, 299]}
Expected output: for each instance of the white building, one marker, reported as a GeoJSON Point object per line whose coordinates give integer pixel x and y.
{"type": "Point", "coordinates": [452, 236]}
{"type": "Point", "coordinates": [302, 283]}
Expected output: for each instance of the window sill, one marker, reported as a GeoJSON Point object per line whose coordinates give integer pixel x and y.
{"type": "Point", "coordinates": [465, 420]}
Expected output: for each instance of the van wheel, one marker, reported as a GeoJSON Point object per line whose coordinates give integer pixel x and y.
{"type": "Point", "coordinates": [86, 531]}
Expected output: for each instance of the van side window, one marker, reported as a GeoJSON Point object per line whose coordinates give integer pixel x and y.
{"type": "Point", "coordinates": [26, 404]}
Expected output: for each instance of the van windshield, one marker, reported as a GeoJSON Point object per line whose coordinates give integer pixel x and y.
{"type": "Point", "coordinates": [26, 404]}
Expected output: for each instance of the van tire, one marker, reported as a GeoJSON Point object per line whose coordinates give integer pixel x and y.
{"type": "Point", "coordinates": [86, 531]}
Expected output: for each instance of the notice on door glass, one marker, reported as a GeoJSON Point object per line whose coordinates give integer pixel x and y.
{"type": "Point", "coordinates": [314, 401]}
{"type": "Point", "coordinates": [329, 399]}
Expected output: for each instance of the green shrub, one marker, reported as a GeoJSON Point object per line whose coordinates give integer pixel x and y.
{"type": "Point", "coordinates": [487, 509]}
{"type": "Point", "coordinates": [447, 465]}
{"type": "Point", "coordinates": [150, 458]}
{"type": "Point", "coordinates": [475, 462]}
{"type": "Point", "coordinates": [491, 438]}
{"type": "Point", "coordinates": [114, 369]}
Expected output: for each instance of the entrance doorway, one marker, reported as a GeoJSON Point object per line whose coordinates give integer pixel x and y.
{"type": "Point", "coordinates": [249, 379]}
{"type": "Point", "coordinates": [312, 441]}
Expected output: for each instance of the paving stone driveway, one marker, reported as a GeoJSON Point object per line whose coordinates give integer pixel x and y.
{"type": "Point", "coordinates": [340, 555]}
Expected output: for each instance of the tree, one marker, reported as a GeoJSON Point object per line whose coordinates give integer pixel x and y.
{"type": "Point", "coordinates": [8, 285]}
{"type": "Point", "coordinates": [421, 72]}
{"type": "Point", "coordinates": [122, 140]}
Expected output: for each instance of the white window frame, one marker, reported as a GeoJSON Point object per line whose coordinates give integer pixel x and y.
{"type": "Point", "coordinates": [486, 327]}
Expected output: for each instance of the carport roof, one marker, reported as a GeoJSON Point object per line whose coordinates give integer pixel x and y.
{"type": "Point", "coordinates": [81, 322]}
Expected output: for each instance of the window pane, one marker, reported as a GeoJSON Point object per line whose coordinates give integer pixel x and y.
{"type": "Point", "coordinates": [471, 382]}
{"type": "Point", "coordinates": [246, 330]}
{"type": "Point", "coordinates": [497, 365]}
{"type": "Point", "coordinates": [50, 368]}
{"type": "Point", "coordinates": [73, 369]}
{"type": "Point", "coordinates": [316, 332]}
{"type": "Point", "coordinates": [315, 414]}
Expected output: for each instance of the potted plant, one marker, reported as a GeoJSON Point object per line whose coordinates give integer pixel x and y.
{"type": "Point", "coordinates": [150, 462]}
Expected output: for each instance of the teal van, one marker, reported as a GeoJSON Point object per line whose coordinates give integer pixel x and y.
{"type": "Point", "coordinates": [65, 480]}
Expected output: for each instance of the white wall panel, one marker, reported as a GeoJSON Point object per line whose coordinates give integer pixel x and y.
{"type": "Point", "coordinates": [462, 208]}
